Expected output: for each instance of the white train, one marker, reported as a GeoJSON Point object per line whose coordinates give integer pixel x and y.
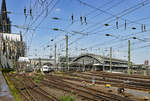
{"type": "Point", "coordinates": [46, 69]}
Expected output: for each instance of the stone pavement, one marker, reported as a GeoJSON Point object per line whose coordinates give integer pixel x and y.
{"type": "Point", "coordinates": [5, 94]}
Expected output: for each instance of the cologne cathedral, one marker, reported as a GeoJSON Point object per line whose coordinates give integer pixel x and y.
{"type": "Point", "coordinates": [11, 45]}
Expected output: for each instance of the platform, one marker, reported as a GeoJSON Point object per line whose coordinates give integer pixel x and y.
{"type": "Point", "coordinates": [5, 94]}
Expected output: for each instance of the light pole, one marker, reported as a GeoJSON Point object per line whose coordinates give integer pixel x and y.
{"type": "Point", "coordinates": [129, 57]}
{"type": "Point", "coordinates": [67, 52]}
{"type": "Point", "coordinates": [67, 60]}
{"type": "Point", "coordinates": [129, 50]}
{"type": "Point", "coordinates": [55, 57]}
{"type": "Point", "coordinates": [67, 37]}
{"type": "Point", "coordinates": [111, 59]}
{"type": "Point", "coordinates": [129, 54]}
{"type": "Point", "coordinates": [112, 35]}
{"type": "Point", "coordinates": [110, 52]}
{"type": "Point", "coordinates": [103, 62]}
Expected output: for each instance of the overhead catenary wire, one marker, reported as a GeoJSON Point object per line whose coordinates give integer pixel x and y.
{"type": "Point", "coordinates": [113, 20]}
{"type": "Point", "coordinates": [101, 6]}
{"type": "Point", "coordinates": [31, 23]}
{"type": "Point", "coordinates": [129, 37]}
{"type": "Point", "coordinates": [120, 40]}
{"type": "Point", "coordinates": [43, 20]}
{"type": "Point", "coordinates": [119, 15]}
{"type": "Point", "coordinates": [125, 24]}
{"type": "Point", "coordinates": [92, 12]}
{"type": "Point", "coordinates": [114, 5]}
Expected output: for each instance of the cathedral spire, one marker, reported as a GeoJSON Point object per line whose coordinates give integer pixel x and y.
{"type": "Point", "coordinates": [3, 7]}
{"type": "Point", "coordinates": [5, 23]}
{"type": "Point", "coordinates": [4, 10]}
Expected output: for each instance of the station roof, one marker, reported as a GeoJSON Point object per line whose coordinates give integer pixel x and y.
{"type": "Point", "coordinates": [100, 58]}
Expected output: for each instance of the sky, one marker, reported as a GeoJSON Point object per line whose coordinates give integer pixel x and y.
{"type": "Point", "coordinates": [38, 34]}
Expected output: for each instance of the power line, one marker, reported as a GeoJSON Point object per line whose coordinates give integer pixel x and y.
{"type": "Point", "coordinates": [116, 4]}
{"type": "Point", "coordinates": [44, 19]}
{"type": "Point", "coordinates": [123, 13]}
{"type": "Point", "coordinates": [113, 20]}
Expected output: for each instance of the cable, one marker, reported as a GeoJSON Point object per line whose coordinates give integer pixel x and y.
{"type": "Point", "coordinates": [139, 5]}
{"type": "Point", "coordinates": [119, 26]}
{"type": "Point", "coordinates": [116, 4]}
{"type": "Point", "coordinates": [120, 40]}
{"type": "Point", "coordinates": [44, 18]}
{"type": "Point", "coordinates": [112, 20]}
{"type": "Point", "coordinates": [41, 13]}
{"type": "Point", "coordinates": [123, 13]}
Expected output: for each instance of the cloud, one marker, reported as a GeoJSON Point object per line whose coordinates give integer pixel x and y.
{"type": "Point", "coordinates": [58, 9]}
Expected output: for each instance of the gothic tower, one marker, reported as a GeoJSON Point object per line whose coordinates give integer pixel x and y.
{"type": "Point", "coordinates": [5, 23]}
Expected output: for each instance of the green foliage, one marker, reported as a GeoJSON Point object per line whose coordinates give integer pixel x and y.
{"type": "Point", "coordinates": [13, 89]}
{"type": "Point", "coordinates": [7, 70]}
{"type": "Point", "coordinates": [36, 81]}
{"type": "Point", "coordinates": [67, 98]}
{"type": "Point", "coordinates": [131, 71]}
{"type": "Point", "coordinates": [38, 71]}
{"type": "Point", "coordinates": [38, 78]}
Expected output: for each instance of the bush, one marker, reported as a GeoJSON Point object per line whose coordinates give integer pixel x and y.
{"type": "Point", "coordinates": [38, 71]}
{"type": "Point", "coordinates": [38, 78]}
{"type": "Point", "coordinates": [67, 98]}
{"type": "Point", "coordinates": [7, 70]}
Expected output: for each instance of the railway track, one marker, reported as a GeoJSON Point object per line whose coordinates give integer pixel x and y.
{"type": "Point", "coordinates": [39, 90]}
{"type": "Point", "coordinates": [114, 82]}
{"type": "Point", "coordinates": [141, 84]}
{"type": "Point", "coordinates": [120, 77]}
{"type": "Point", "coordinates": [78, 92]}
{"type": "Point", "coordinates": [119, 80]}
{"type": "Point", "coordinates": [23, 91]}
{"type": "Point", "coordinates": [96, 94]}
{"type": "Point", "coordinates": [30, 91]}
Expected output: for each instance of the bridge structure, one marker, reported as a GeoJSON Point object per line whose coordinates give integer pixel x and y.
{"type": "Point", "coordinates": [97, 61]}
{"type": "Point", "coordinates": [37, 62]}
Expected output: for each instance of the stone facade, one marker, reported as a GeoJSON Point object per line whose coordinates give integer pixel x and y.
{"type": "Point", "coordinates": [11, 45]}
{"type": "Point", "coordinates": [11, 48]}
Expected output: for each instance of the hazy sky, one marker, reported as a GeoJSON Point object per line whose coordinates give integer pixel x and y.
{"type": "Point", "coordinates": [97, 12]}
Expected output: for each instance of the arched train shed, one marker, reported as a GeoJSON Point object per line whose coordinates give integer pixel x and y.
{"type": "Point", "coordinates": [92, 60]}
